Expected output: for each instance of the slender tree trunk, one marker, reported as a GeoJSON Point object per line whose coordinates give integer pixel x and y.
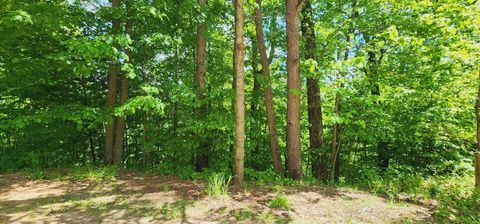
{"type": "Point", "coordinates": [90, 134]}
{"type": "Point", "coordinates": [92, 148]}
{"type": "Point", "coordinates": [111, 95]}
{"type": "Point", "coordinates": [146, 141]}
{"type": "Point", "coordinates": [239, 92]}
{"type": "Point", "coordinates": [254, 106]}
{"type": "Point", "coordinates": [234, 82]}
{"type": "Point", "coordinates": [273, 31]}
{"type": "Point", "coordinates": [336, 139]}
{"type": "Point", "coordinates": [267, 90]}
{"type": "Point", "coordinates": [337, 128]}
{"type": "Point", "coordinates": [477, 113]}
{"type": "Point", "coordinates": [477, 154]}
{"type": "Point", "coordinates": [315, 119]}
{"type": "Point", "coordinates": [294, 89]}
{"type": "Point", "coordinates": [202, 153]}
{"type": "Point", "coordinates": [121, 121]}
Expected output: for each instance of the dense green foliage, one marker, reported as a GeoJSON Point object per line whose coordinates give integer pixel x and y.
{"type": "Point", "coordinates": [407, 90]}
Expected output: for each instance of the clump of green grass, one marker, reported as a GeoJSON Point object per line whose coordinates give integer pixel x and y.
{"type": "Point", "coordinates": [95, 173]}
{"type": "Point", "coordinates": [167, 187]}
{"type": "Point", "coordinates": [39, 174]}
{"type": "Point", "coordinates": [280, 202]}
{"type": "Point", "coordinates": [218, 185]}
{"type": "Point", "coordinates": [267, 217]}
{"type": "Point", "coordinates": [243, 214]}
{"type": "Point", "coordinates": [173, 211]}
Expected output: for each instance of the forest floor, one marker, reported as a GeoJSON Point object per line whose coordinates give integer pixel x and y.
{"type": "Point", "coordinates": [141, 198]}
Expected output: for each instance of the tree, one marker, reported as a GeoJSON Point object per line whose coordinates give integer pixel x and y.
{"type": "Point", "coordinates": [267, 90]}
{"type": "Point", "coordinates": [112, 94]}
{"type": "Point", "coordinates": [294, 163]}
{"type": "Point", "coordinates": [121, 121]}
{"type": "Point", "coordinates": [239, 92]}
{"type": "Point", "coordinates": [315, 119]}
{"type": "Point", "coordinates": [202, 159]}
{"type": "Point", "coordinates": [477, 153]}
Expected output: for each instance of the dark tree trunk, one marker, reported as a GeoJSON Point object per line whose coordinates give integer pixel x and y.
{"type": "Point", "coordinates": [255, 137]}
{"type": "Point", "coordinates": [315, 119]}
{"type": "Point", "coordinates": [111, 96]}
{"type": "Point", "coordinates": [121, 121]}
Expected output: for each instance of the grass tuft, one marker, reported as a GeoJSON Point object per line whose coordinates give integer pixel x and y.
{"type": "Point", "coordinates": [218, 185]}
{"type": "Point", "coordinates": [280, 202]}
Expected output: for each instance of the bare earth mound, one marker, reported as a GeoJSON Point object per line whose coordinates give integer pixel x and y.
{"type": "Point", "coordinates": [133, 198]}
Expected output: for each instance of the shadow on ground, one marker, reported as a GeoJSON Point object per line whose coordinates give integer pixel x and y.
{"type": "Point", "coordinates": [134, 198]}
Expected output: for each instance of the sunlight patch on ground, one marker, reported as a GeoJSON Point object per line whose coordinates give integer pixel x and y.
{"type": "Point", "coordinates": [155, 199]}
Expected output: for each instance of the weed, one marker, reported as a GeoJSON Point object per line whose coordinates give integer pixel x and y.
{"type": "Point", "coordinates": [167, 187]}
{"type": "Point", "coordinates": [218, 185]}
{"type": "Point", "coordinates": [243, 214]}
{"type": "Point", "coordinates": [267, 217]}
{"type": "Point", "coordinates": [280, 202]}
{"type": "Point", "coordinates": [172, 211]}
{"type": "Point", "coordinates": [95, 173]}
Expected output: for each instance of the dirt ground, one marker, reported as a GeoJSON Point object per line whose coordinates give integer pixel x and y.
{"type": "Point", "coordinates": [136, 198]}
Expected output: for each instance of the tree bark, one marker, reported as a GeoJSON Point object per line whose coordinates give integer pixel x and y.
{"type": "Point", "coordinates": [294, 88]}
{"type": "Point", "coordinates": [254, 106]}
{"type": "Point", "coordinates": [477, 113]}
{"type": "Point", "coordinates": [477, 154]}
{"type": "Point", "coordinates": [121, 121]}
{"type": "Point", "coordinates": [239, 93]}
{"type": "Point", "coordinates": [273, 31]}
{"type": "Point", "coordinates": [202, 159]}
{"type": "Point", "coordinates": [267, 91]}
{"type": "Point", "coordinates": [111, 96]}
{"type": "Point", "coordinates": [315, 119]}
{"type": "Point", "coordinates": [335, 140]}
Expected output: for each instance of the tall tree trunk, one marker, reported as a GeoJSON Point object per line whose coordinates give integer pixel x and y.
{"type": "Point", "coordinates": [254, 106]}
{"type": "Point", "coordinates": [477, 153]}
{"type": "Point", "coordinates": [294, 89]}
{"type": "Point", "coordinates": [477, 113]}
{"type": "Point", "coordinates": [336, 131]}
{"type": "Point", "coordinates": [335, 140]}
{"type": "Point", "coordinates": [273, 31]}
{"type": "Point", "coordinates": [267, 91]}
{"type": "Point", "coordinates": [315, 119]}
{"type": "Point", "coordinates": [111, 95]}
{"type": "Point", "coordinates": [121, 121]}
{"type": "Point", "coordinates": [337, 128]}
{"type": "Point", "coordinates": [239, 93]}
{"type": "Point", "coordinates": [202, 154]}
